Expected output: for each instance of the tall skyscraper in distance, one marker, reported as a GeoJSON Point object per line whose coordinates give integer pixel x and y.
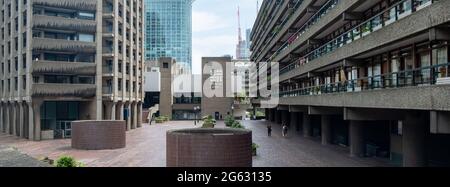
{"type": "Point", "coordinates": [242, 48]}
{"type": "Point", "coordinates": [169, 30]}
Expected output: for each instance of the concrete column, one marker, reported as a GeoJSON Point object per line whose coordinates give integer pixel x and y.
{"type": "Point", "coordinates": [7, 124]}
{"type": "Point", "coordinates": [1, 118]}
{"type": "Point", "coordinates": [30, 121]}
{"type": "Point", "coordinates": [306, 125]}
{"type": "Point", "coordinates": [133, 115]}
{"type": "Point", "coordinates": [267, 111]}
{"type": "Point", "coordinates": [356, 138]}
{"type": "Point", "coordinates": [326, 129]}
{"type": "Point", "coordinates": [21, 121]}
{"type": "Point", "coordinates": [108, 111]}
{"type": "Point", "coordinates": [273, 114]}
{"type": "Point", "coordinates": [14, 119]}
{"type": "Point", "coordinates": [414, 138]}
{"type": "Point", "coordinates": [285, 117]}
{"type": "Point", "coordinates": [37, 119]}
{"type": "Point", "coordinates": [294, 120]}
{"type": "Point", "coordinates": [128, 118]}
{"type": "Point", "coordinates": [139, 114]}
{"type": "Point", "coordinates": [278, 118]}
{"type": "Point", "coordinates": [113, 111]}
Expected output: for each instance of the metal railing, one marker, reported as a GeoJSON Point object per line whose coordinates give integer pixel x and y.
{"type": "Point", "coordinates": [283, 23]}
{"type": "Point", "coordinates": [325, 9]}
{"type": "Point", "coordinates": [393, 14]}
{"type": "Point", "coordinates": [414, 77]}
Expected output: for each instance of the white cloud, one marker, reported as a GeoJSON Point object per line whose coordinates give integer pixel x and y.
{"type": "Point", "coordinates": [210, 46]}
{"type": "Point", "coordinates": [205, 21]}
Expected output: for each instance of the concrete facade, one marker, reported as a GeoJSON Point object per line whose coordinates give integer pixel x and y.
{"type": "Point", "coordinates": [213, 77]}
{"type": "Point", "coordinates": [83, 51]}
{"type": "Point", "coordinates": [372, 76]}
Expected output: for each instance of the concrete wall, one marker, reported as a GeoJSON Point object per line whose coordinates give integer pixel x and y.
{"type": "Point", "coordinates": [97, 135]}
{"type": "Point", "coordinates": [216, 104]}
{"type": "Point", "coordinates": [209, 148]}
{"type": "Point", "coordinates": [166, 99]}
{"type": "Point", "coordinates": [152, 81]}
{"type": "Point", "coordinates": [415, 98]}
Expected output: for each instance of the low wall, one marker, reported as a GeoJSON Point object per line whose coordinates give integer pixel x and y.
{"type": "Point", "coordinates": [98, 135]}
{"type": "Point", "coordinates": [209, 148]}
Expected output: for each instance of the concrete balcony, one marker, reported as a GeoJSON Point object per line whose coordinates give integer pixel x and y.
{"type": "Point", "coordinates": [70, 4]}
{"type": "Point", "coordinates": [414, 98]}
{"type": "Point", "coordinates": [72, 24]}
{"type": "Point", "coordinates": [389, 37]}
{"type": "Point", "coordinates": [46, 44]}
{"type": "Point", "coordinates": [58, 67]}
{"type": "Point", "coordinates": [63, 90]}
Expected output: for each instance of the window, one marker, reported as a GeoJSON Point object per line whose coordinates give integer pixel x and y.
{"type": "Point", "coordinates": [86, 37]}
{"type": "Point", "coordinates": [165, 65]}
{"type": "Point", "coordinates": [24, 82]}
{"type": "Point", "coordinates": [119, 85]}
{"type": "Point", "coordinates": [86, 15]}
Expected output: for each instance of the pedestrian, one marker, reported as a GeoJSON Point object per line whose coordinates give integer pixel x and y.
{"type": "Point", "coordinates": [269, 130]}
{"type": "Point", "coordinates": [285, 130]}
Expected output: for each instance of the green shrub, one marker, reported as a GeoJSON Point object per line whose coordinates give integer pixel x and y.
{"type": "Point", "coordinates": [208, 122]}
{"type": "Point", "coordinates": [237, 125]}
{"type": "Point", "coordinates": [254, 149]}
{"type": "Point", "coordinates": [229, 120]}
{"type": "Point", "coordinates": [159, 120]}
{"type": "Point", "coordinates": [67, 162]}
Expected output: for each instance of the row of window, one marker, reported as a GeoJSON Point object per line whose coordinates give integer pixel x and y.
{"type": "Point", "coordinates": [7, 84]}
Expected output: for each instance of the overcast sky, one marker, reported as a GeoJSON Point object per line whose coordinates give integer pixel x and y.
{"type": "Point", "coordinates": [215, 27]}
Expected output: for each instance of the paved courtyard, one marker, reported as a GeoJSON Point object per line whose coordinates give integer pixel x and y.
{"type": "Point", "coordinates": [146, 148]}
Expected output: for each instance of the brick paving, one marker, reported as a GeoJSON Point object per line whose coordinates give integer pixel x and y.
{"type": "Point", "coordinates": [146, 147]}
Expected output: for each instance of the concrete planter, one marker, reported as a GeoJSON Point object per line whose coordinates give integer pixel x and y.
{"type": "Point", "coordinates": [98, 135]}
{"type": "Point", "coordinates": [209, 148]}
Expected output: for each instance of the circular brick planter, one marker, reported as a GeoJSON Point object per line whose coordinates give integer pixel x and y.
{"type": "Point", "coordinates": [98, 135]}
{"type": "Point", "coordinates": [209, 148]}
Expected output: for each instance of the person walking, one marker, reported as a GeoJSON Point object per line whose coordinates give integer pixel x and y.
{"type": "Point", "coordinates": [269, 130]}
{"type": "Point", "coordinates": [285, 130]}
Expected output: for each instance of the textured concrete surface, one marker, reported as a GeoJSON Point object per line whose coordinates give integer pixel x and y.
{"type": "Point", "coordinates": [413, 98]}
{"type": "Point", "coordinates": [11, 157]}
{"type": "Point", "coordinates": [146, 147]}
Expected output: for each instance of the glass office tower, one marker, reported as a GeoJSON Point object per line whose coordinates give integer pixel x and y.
{"type": "Point", "coordinates": [169, 30]}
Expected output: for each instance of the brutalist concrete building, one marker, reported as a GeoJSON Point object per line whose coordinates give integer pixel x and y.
{"type": "Point", "coordinates": [66, 60]}
{"type": "Point", "coordinates": [371, 76]}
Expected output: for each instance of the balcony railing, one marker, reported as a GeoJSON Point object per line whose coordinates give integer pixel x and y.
{"type": "Point", "coordinates": [63, 45]}
{"type": "Point", "coordinates": [277, 27]}
{"type": "Point", "coordinates": [415, 77]}
{"type": "Point", "coordinates": [107, 90]}
{"type": "Point", "coordinates": [64, 90]}
{"type": "Point", "coordinates": [71, 4]}
{"type": "Point", "coordinates": [107, 69]}
{"type": "Point", "coordinates": [72, 24]}
{"type": "Point", "coordinates": [283, 23]}
{"type": "Point", "coordinates": [61, 67]}
{"type": "Point", "coordinates": [393, 14]}
{"type": "Point", "coordinates": [324, 10]}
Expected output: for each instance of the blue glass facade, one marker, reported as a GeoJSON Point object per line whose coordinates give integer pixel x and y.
{"type": "Point", "coordinates": [169, 30]}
